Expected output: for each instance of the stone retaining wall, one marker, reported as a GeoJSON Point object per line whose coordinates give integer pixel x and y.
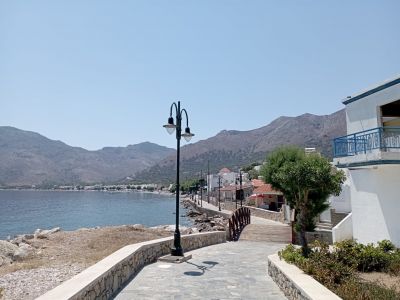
{"type": "Point", "coordinates": [104, 279]}
{"type": "Point", "coordinates": [257, 212]}
{"type": "Point", "coordinates": [295, 284]}
{"type": "Point", "coordinates": [210, 212]}
{"type": "Point", "coordinates": [267, 214]}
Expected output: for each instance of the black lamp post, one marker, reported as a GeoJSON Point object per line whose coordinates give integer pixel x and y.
{"type": "Point", "coordinates": [241, 190]}
{"type": "Point", "coordinates": [219, 193]}
{"type": "Point", "coordinates": [201, 187]}
{"type": "Point", "coordinates": [177, 249]}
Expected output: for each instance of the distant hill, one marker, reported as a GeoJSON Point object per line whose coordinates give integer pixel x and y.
{"type": "Point", "coordinates": [28, 158]}
{"type": "Point", "coordinates": [233, 149]}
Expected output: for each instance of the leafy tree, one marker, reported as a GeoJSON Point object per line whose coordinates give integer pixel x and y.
{"type": "Point", "coordinates": [306, 182]}
{"type": "Point", "coordinates": [187, 184]}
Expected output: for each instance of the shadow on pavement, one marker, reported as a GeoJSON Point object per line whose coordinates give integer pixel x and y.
{"type": "Point", "coordinates": [209, 265]}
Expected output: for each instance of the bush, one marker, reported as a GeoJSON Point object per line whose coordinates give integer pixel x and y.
{"type": "Point", "coordinates": [320, 264]}
{"type": "Point", "coordinates": [394, 263]}
{"type": "Point", "coordinates": [348, 252]}
{"type": "Point", "coordinates": [386, 246]}
{"type": "Point", "coordinates": [372, 258]}
{"type": "Point", "coordinates": [353, 289]}
{"type": "Point", "coordinates": [365, 258]}
{"type": "Point", "coordinates": [292, 255]}
{"type": "Point", "coordinates": [337, 269]}
{"type": "Point", "coordinates": [324, 266]}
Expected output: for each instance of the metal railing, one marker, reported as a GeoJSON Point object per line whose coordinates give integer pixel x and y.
{"type": "Point", "coordinates": [383, 138]}
{"type": "Point", "coordinates": [239, 219]}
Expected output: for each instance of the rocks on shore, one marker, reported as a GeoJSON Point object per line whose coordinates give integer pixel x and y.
{"type": "Point", "coordinates": [22, 246]}
{"type": "Point", "coordinates": [44, 234]}
{"type": "Point", "coordinates": [204, 223]}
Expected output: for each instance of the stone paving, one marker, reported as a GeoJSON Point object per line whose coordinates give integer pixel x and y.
{"type": "Point", "coordinates": [233, 270]}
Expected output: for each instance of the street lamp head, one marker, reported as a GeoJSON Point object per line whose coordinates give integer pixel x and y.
{"type": "Point", "coordinates": [170, 126]}
{"type": "Point", "coordinates": [187, 135]}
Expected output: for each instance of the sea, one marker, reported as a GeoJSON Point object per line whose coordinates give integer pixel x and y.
{"type": "Point", "coordinates": [25, 211]}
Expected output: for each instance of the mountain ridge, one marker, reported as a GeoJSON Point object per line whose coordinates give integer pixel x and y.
{"type": "Point", "coordinates": [29, 158]}
{"type": "Point", "coordinates": [234, 149]}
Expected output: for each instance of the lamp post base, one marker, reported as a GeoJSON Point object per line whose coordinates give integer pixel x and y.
{"type": "Point", "coordinates": [177, 249]}
{"type": "Point", "coordinates": [175, 259]}
{"type": "Point", "coordinates": [176, 252]}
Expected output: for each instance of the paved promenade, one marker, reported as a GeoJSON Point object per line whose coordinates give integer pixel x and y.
{"type": "Point", "coordinates": [233, 270]}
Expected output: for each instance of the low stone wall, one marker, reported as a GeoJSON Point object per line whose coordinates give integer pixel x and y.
{"type": "Point", "coordinates": [320, 235]}
{"type": "Point", "coordinates": [267, 214]}
{"type": "Point", "coordinates": [104, 279]}
{"type": "Point", "coordinates": [295, 284]}
{"type": "Point", "coordinates": [208, 212]}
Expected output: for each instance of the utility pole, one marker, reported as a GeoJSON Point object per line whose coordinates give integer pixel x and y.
{"type": "Point", "coordinates": [201, 187]}
{"type": "Point", "coordinates": [236, 192]}
{"type": "Point", "coordinates": [219, 193]}
{"type": "Point", "coordinates": [208, 181]}
{"type": "Point", "coordinates": [240, 186]}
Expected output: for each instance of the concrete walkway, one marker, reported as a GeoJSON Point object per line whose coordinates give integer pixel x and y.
{"type": "Point", "coordinates": [262, 230]}
{"type": "Point", "coordinates": [233, 270]}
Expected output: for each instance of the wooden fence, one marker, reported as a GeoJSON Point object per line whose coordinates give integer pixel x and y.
{"type": "Point", "coordinates": [239, 219]}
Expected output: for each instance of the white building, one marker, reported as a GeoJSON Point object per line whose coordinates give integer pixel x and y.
{"type": "Point", "coordinates": [370, 156]}
{"type": "Point", "coordinates": [227, 178]}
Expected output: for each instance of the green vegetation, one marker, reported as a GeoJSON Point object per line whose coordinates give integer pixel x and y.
{"type": "Point", "coordinates": [253, 174]}
{"type": "Point", "coordinates": [186, 185]}
{"type": "Point", "coordinates": [1, 293]}
{"type": "Point", "coordinates": [306, 182]}
{"type": "Point", "coordinates": [337, 269]}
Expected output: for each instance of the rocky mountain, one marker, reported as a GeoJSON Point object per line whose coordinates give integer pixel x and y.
{"type": "Point", "coordinates": [233, 149]}
{"type": "Point", "coordinates": [28, 158]}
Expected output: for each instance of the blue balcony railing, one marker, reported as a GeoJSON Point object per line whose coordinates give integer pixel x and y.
{"type": "Point", "coordinates": [383, 138]}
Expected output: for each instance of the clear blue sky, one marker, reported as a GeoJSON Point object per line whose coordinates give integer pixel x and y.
{"type": "Point", "coordinates": [104, 73]}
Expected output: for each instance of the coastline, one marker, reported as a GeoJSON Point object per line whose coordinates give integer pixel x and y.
{"type": "Point", "coordinates": [32, 264]}
{"type": "Point", "coordinates": [38, 262]}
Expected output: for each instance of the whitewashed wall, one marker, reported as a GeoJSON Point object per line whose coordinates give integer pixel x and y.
{"type": "Point", "coordinates": [375, 203]}
{"type": "Point", "coordinates": [364, 114]}
{"type": "Point", "coordinates": [343, 230]}
{"type": "Point", "coordinates": [342, 203]}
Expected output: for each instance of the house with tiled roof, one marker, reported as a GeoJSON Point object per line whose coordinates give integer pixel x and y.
{"type": "Point", "coordinates": [224, 171]}
{"type": "Point", "coordinates": [264, 196]}
{"type": "Point", "coordinates": [257, 183]}
{"type": "Point", "coordinates": [228, 193]}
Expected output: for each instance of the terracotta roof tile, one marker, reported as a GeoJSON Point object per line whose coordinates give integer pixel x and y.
{"type": "Point", "coordinates": [224, 170]}
{"type": "Point", "coordinates": [266, 188]}
{"type": "Point", "coordinates": [257, 182]}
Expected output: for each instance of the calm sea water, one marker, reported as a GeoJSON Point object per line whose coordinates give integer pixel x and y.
{"type": "Point", "coordinates": [25, 211]}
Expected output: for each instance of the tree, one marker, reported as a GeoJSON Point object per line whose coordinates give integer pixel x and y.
{"type": "Point", "coordinates": [306, 181]}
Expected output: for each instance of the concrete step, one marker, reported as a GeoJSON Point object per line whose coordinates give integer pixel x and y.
{"type": "Point", "coordinates": [266, 233]}
{"type": "Point", "coordinates": [324, 226]}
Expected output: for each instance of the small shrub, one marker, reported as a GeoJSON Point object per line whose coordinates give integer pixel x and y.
{"type": "Point", "coordinates": [394, 263]}
{"type": "Point", "coordinates": [365, 258]}
{"type": "Point", "coordinates": [372, 258]}
{"type": "Point", "coordinates": [348, 252]}
{"type": "Point", "coordinates": [336, 269]}
{"type": "Point", "coordinates": [292, 255]}
{"type": "Point", "coordinates": [386, 246]}
{"type": "Point", "coordinates": [354, 289]}
{"type": "Point", "coordinates": [324, 266]}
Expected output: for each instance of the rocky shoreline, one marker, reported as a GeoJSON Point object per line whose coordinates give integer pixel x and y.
{"type": "Point", "coordinates": [202, 222]}
{"type": "Point", "coordinates": [31, 264]}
